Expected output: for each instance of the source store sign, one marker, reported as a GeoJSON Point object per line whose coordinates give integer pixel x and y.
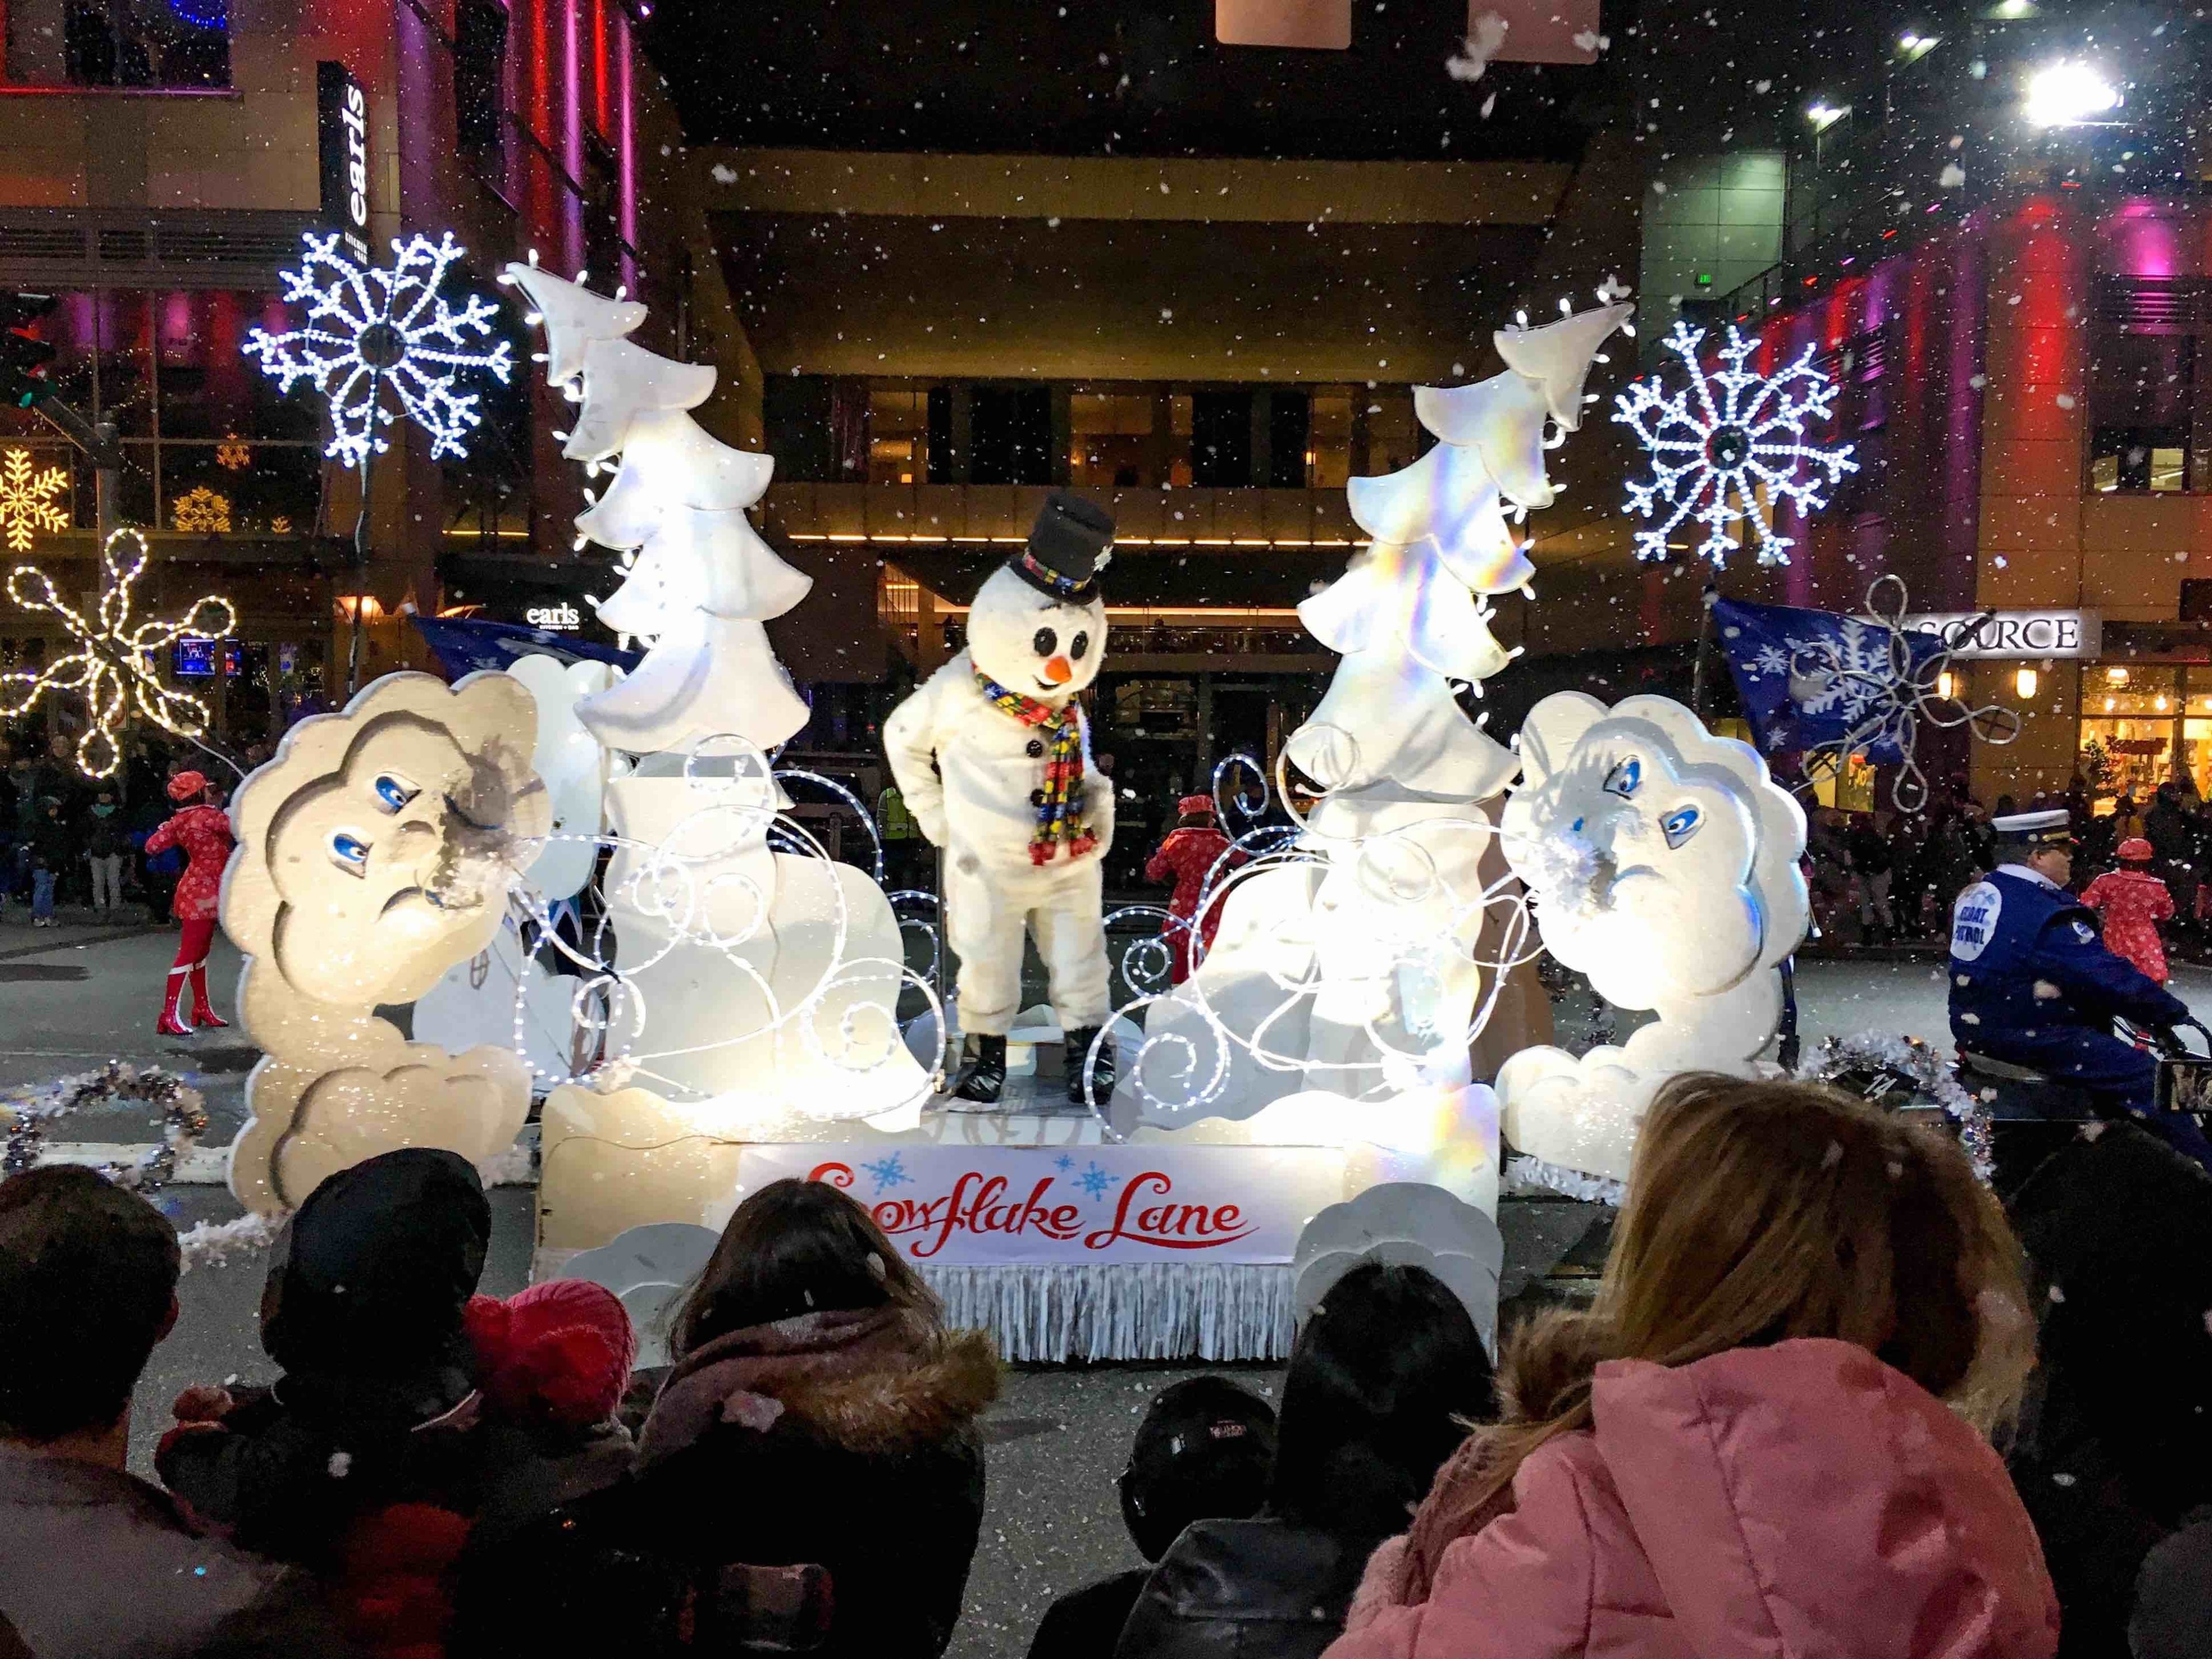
{"type": "Point", "coordinates": [974, 1207]}
{"type": "Point", "coordinates": [2056, 633]}
{"type": "Point", "coordinates": [342, 131]}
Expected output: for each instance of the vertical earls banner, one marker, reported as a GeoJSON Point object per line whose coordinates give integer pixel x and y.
{"type": "Point", "coordinates": [341, 128]}
{"type": "Point", "coordinates": [985, 1205]}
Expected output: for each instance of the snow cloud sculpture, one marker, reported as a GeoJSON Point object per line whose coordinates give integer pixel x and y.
{"type": "Point", "coordinates": [1664, 862]}
{"type": "Point", "coordinates": [375, 850]}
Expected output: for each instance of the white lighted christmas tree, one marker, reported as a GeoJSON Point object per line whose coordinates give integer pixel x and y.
{"type": "Point", "coordinates": [1412, 615]}
{"type": "Point", "coordinates": [698, 582]}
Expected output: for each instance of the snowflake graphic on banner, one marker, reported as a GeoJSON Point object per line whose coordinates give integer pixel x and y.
{"type": "Point", "coordinates": [369, 329]}
{"type": "Point", "coordinates": [1726, 446]}
{"type": "Point", "coordinates": [27, 499]}
{"type": "Point", "coordinates": [1095, 1181]}
{"type": "Point", "coordinates": [888, 1172]}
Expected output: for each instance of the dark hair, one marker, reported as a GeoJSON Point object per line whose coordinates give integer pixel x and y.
{"type": "Point", "coordinates": [1203, 1453]}
{"type": "Point", "coordinates": [796, 1247]}
{"type": "Point", "coordinates": [87, 1281]}
{"type": "Point", "coordinates": [1384, 1378]}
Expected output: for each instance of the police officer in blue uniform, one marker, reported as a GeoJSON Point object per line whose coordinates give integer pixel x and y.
{"type": "Point", "coordinates": [2033, 983]}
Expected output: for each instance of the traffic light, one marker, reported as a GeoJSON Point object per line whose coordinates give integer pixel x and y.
{"type": "Point", "coordinates": [25, 359]}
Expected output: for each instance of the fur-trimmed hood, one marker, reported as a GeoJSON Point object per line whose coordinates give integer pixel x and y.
{"type": "Point", "coordinates": [878, 1381]}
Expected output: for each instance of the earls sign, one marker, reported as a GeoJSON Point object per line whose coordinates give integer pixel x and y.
{"type": "Point", "coordinates": [2053, 634]}
{"type": "Point", "coordinates": [341, 127]}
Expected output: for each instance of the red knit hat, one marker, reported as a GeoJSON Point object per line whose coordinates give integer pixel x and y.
{"type": "Point", "coordinates": [2135, 850]}
{"type": "Point", "coordinates": [186, 784]}
{"type": "Point", "coordinates": [561, 1351]}
{"type": "Point", "coordinates": [1196, 806]}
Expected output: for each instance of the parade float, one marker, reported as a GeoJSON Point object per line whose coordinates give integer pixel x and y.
{"type": "Point", "coordinates": [588, 885]}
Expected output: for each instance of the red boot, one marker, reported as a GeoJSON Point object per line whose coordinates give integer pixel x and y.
{"type": "Point", "coordinates": [172, 1021]}
{"type": "Point", "coordinates": [204, 1011]}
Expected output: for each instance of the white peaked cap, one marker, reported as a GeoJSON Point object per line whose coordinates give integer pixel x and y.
{"type": "Point", "coordinates": [1557, 356]}
{"type": "Point", "coordinates": [574, 316]}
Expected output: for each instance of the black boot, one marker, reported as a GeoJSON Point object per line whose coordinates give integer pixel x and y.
{"type": "Point", "coordinates": [982, 1073]}
{"type": "Point", "coordinates": [1102, 1072]}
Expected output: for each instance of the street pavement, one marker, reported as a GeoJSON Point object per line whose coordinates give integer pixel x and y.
{"type": "Point", "coordinates": [72, 998]}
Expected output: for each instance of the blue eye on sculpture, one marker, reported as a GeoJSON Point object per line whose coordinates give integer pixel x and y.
{"type": "Point", "coordinates": [394, 793]}
{"type": "Point", "coordinates": [350, 852]}
{"type": "Point", "coordinates": [1624, 778]}
{"type": "Point", "coordinates": [1679, 825]}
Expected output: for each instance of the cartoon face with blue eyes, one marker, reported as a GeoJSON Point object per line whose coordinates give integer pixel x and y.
{"type": "Point", "coordinates": [1645, 888]}
{"type": "Point", "coordinates": [377, 901]}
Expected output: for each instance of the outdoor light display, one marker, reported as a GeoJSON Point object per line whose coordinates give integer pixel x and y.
{"type": "Point", "coordinates": [112, 665]}
{"type": "Point", "coordinates": [1722, 440]}
{"type": "Point", "coordinates": [27, 499]}
{"type": "Point", "coordinates": [368, 328]}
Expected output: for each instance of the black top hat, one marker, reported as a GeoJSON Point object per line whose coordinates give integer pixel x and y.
{"type": "Point", "coordinates": [1070, 544]}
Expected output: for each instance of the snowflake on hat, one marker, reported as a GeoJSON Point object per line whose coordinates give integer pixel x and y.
{"type": "Point", "coordinates": [992, 754]}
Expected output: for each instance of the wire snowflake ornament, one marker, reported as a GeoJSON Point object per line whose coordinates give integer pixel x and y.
{"type": "Point", "coordinates": [370, 328]}
{"type": "Point", "coordinates": [1896, 681]}
{"type": "Point", "coordinates": [1725, 439]}
{"type": "Point", "coordinates": [27, 499]}
{"type": "Point", "coordinates": [112, 667]}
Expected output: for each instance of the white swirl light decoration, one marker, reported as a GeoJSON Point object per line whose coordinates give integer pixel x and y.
{"type": "Point", "coordinates": [366, 329]}
{"type": "Point", "coordinates": [1719, 441]}
{"type": "Point", "coordinates": [690, 888]}
{"type": "Point", "coordinates": [1202, 1060]}
{"type": "Point", "coordinates": [112, 667]}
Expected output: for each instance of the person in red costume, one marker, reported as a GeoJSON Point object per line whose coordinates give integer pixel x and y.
{"type": "Point", "coordinates": [2133, 902]}
{"type": "Point", "coordinates": [1187, 857]}
{"type": "Point", "coordinates": [202, 830]}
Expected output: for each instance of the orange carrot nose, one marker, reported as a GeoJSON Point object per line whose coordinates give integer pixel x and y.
{"type": "Point", "coordinates": [1060, 670]}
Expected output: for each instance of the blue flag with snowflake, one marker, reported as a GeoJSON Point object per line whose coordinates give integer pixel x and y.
{"type": "Point", "coordinates": [1810, 678]}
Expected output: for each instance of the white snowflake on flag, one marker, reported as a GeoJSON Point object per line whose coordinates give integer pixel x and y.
{"type": "Point", "coordinates": [1724, 447]}
{"type": "Point", "coordinates": [369, 329]}
{"type": "Point", "coordinates": [27, 499]}
{"type": "Point", "coordinates": [1845, 680]}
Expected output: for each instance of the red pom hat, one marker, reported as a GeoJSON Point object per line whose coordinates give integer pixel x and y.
{"type": "Point", "coordinates": [560, 1351]}
{"type": "Point", "coordinates": [2135, 850]}
{"type": "Point", "coordinates": [187, 786]}
{"type": "Point", "coordinates": [1194, 806]}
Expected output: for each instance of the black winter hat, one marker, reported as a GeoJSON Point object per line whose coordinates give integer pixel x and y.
{"type": "Point", "coordinates": [1070, 542]}
{"type": "Point", "coordinates": [1202, 1453]}
{"type": "Point", "coordinates": [371, 1276]}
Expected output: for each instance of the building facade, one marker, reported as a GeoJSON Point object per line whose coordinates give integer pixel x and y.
{"type": "Point", "coordinates": [158, 165]}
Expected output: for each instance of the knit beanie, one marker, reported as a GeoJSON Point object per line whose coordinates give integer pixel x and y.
{"type": "Point", "coordinates": [558, 1352]}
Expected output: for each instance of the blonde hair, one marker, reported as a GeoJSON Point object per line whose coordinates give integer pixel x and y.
{"type": "Point", "coordinates": [1760, 1211]}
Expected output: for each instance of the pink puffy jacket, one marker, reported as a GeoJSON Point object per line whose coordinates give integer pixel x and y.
{"type": "Point", "coordinates": [1803, 1501]}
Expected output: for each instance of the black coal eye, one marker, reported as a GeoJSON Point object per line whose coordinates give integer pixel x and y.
{"type": "Point", "coordinates": [1046, 641]}
{"type": "Point", "coordinates": [1077, 646]}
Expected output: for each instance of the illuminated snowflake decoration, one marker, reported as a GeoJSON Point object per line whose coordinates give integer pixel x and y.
{"type": "Point", "coordinates": [1890, 681]}
{"type": "Point", "coordinates": [112, 667]}
{"type": "Point", "coordinates": [201, 512]}
{"type": "Point", "coordinates": [1724, 441]}
{"type": "Point", "coordinates": [232, 455]}
{"type": "Point", "coordinates": [369, 329]}
{"type": "Point", "coordinates": [27, 499]}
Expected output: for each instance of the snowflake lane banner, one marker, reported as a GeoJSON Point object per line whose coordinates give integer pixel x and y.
{"type": "Point", "coordinates": [1784, 661]}
{"type": "Point", "coordinates": [1010, 1205]}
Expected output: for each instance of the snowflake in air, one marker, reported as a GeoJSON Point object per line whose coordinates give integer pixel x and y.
{"type": "Point", "coordinates": [112, 666]}
{"type": "Point", "coordinates": [27, 499]}
{"type": "Point", "coordinates": [1724, 442]}
{"type": "Point", "coordinates": [369, 329]}
{"type": "Point", "coordinates": [888, 1172]}
{"type": "Point", "coordinates": [1095, 1181]}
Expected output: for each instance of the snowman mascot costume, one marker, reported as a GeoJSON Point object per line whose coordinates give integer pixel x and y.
{"type": "Point", "coordinates": [993, 759]}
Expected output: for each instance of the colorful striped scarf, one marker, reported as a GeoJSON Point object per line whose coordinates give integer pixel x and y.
{"type": "Point", "coordinates": [1060, 809]}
